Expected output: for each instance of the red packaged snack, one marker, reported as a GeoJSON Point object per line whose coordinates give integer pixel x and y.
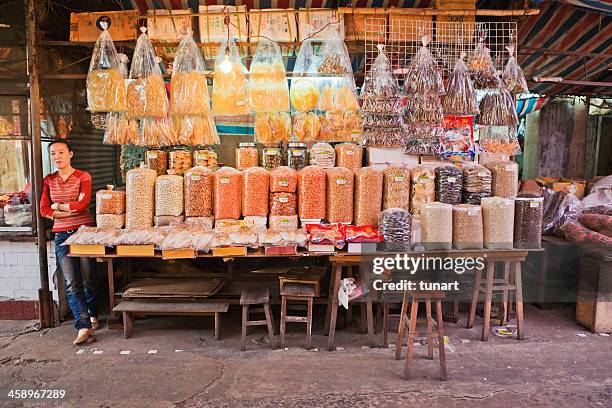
{"type": "Point", "coordinates": [361, 233]}
{"type": "Point", "coordinates": [326, 234]}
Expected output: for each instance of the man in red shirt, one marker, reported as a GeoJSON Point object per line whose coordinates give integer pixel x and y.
{"type": "Point", "coordinates": [65, 199]}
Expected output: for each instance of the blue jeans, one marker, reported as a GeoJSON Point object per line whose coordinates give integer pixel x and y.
{"type": "Point", "coordinates": [81, 283]}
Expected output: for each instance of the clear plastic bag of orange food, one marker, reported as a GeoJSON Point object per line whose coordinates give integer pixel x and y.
{"type": "Point", "coordinates": [105, 83]}
{"type": "Point", "coordinates": [312, 193]}
{"type": "Point", "coordinates": [268, 87]}
{"type": "Point", "coordinates": [230, 95]}
{"type": "Point", "coordinates": [304, 86]}
{"type": "Point", "coordinates": [255, 191]}
{"type": "Point", "coordinates": [146, 91]}
{"type": "Point", "coordinates": [188, 88]}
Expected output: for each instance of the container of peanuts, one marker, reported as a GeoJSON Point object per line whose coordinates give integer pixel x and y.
{"type": "Point", "coordinates": [436, 225]}
{"type": "Point", "coordinates": [227, 193]}
{"type": "Point", "coordinates": [504, 178]}
{"type": "Point", "coordinates": [272, 157]}
{"type": "Point", "coordinates": [312, 193]}
{"type": "Point", "coordinates": [110, 220]}
{"type": "Point", "coordinates": [283, 203]}
{"type": "Point", "coordinates": [368, 196]}
{"type": "Point", "coordinates": [247, 156]}
{"type": "Point", "coordinates": [110, 201]}
{"type": "Point", "coordinates": [283, 180]}
{"type": "Point", "coordinates": [169, 199]}
{"type": "Point", "coordinates": [140, 197]}
{"type": "Point", "coordinates": [467, 226]}
{"type": "Point", "coordinates": [340, 182]}
{"type": "Point", "coordinates": [157, 160]}
{"type": "Point", "coordinates": [255, 191]}
{"type": "Point", "coordinates": [179, 161]}
{"type": "Point", "coordinates": [349, 155]}
{"type": "Point", "coordinates": [396, 187]}
{"type": "Point", "coordinates": [198, 188]}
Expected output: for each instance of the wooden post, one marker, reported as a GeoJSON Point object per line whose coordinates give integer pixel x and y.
{"type": "Point", "coordinates": [531, 151]}
{"type": "Point", "coordinates": [578, 146]}
{"type": "Point", "coordinates": [45, 297]}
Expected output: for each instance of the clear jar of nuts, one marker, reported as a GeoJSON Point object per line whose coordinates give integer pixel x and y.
{"type": "Point", "coordinates": [206, 158]}
{"type": "Point", "coordinates": [296, 155]}
{"type": "Point", "coordinates": [247, 156]}
{"type": "Point", "coordinates": [157, 160]}
{"type": "Point", "coordinates": [180, 161]}
{"type": "Point", "coordinates": [272, 157]}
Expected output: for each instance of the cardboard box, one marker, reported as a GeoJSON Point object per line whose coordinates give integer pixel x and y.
{"type": "Point", "coordinates": [383, 157]}
{"type": "Point", "coordinates": [575, 187]}
{"type": "Point", "coordinates": [178, 254]}
{"type": "Point", "coordinates": [281, 250]}
{"type": "Point", "coordinates": [162, 28]}
{"type": "Point", "coordinates": [136, 250]}
{"type": "Point", "coordinates": [371, 27]}
{"type": "Point", "coordinates": [87, 250]}
{"type": "Point", "coordinates": [326, 20]}
{"type": "Point", "coordinates": [86, 26]}
{"type": "Point", "coordinates": [230, 251]}
{"type": "Point", "coordinates": [362, 247]}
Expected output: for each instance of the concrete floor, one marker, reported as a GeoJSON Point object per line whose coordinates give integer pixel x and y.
{"type": "Point", "coordinates": [172, 362]}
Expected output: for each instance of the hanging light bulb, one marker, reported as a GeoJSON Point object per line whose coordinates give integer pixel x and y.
{"type": "Point", "coordinates": [226, 64]}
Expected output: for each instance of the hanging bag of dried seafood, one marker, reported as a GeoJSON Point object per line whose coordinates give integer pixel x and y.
{"type": "Point", "coordinates": [460, 99]}
{"type": "Point", "coordinates": [513, 75]}
{"type": "Point", "coordinates": [230, 95]}
{"type": "Point", "coordinates": [189, 100]}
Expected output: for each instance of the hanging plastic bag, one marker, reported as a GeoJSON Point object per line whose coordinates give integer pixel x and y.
{"type": "Point", "coordinates": [268, 88]}
{"type": "Point", "coordinates": [499, 139]}
{"type": "Point", "coordinates": [381, 99]}
{"type": "Point", "coordinates": [423, 75]}
{"type": "Point", "coordinates": [272, 127]}
{"type": "Point", "coordinates": [513, 75]}
{"type": "Point", "coordinates": [230, 95]}
{"type": "Point", "coordinates": [304, 86]}
{"type": "Point", "coordinates": [105, 84]}
{"type": "Point", "coordinates": [189, 89]}
{"type": "Point", "coordinates": [147, 95]}
{"type": "Point", "coordinates": [460, 99]}
{"type": "Point", "coordinates": [497, 108]}
{"type": "Point", "coordinates": [481, 67]}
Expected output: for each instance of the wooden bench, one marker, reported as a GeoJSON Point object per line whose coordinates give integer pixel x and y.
{"type": "Point", "coordinates": [132, 308]}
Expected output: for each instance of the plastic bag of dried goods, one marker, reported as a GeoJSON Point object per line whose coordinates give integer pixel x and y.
{"type": "Point", "coordinates": [497, 108]}
{"type": "Point", "coordinates": [423, 76]}
{"type": "Point", "coordinates": [349, 155]}
{"type": "Point", "coordinates": [255, 192]}
{"type": "Point", "coordinates": [116, 131]}
{"type": "Point", "coordinates": [368, 195]}
{"type": "Point", "coordinates": [230, 95]}
{"type": "Point", "coordinates": [195, 130]}
{"type": "Point", "coordinates": [395, 225]}
{"type": "Point", "coordinates": [504, 178]}
{"type": "Point", "coordinates": [449, 181]}
{"type": "Point", "coordinates": [499, 140]}
{"type": "Point", "coordinates": [188, 88]}
{"type": "Point", "coordinates": [528, 211]}
{"type": "Point", "coordinates": [498, 222]}
{"type": "Point", "coordinates": [110, 201]}
{"type": "Point", "coordinates": [283, 203]}
{"type": "Point", "coordinates": [460, 99]}
{"type": "Point", "coordinates": [481, 68]}
{"type": "Point", "coordinates": [146, 92]}
{"type": "Point", "coordinates": [140, 197]}
{"type": "Point", "coordinates": [268, 87]}
{"type": "Point", "coordinates": [283, 222]}
{"type": "Point", "coordinates": [306, 126]}
{"type": "Point", "coordinates": [110, 220]}
{"type": "Point", "coordinates": [272, 127]}
{"type": "Point", "coordinates": [423, 187]}
{"type": "Point", "coordinates": [323, 154]}
{"type": "Point", "coordinates": [304, 84]}
{"type": "Point", "coordinates": [106, 90]}
{"type": "Point", "coordinates": [380, 83]}
{"type": "Point", "coordinates": [283, 179]}
{"type": "Point", "coordinates": [198, 190]}
{"type": "Point", "coordinates": [396, 187]}
{"type": "Point", "coordinates": [169, 199]}
{"type": "Point", "coordinates": [227, 193]}
{"type": "Point", "coordinates": [437, 225]}
{"type": "Point", "coordinates": [340, 182]}
{"type": "Point", "coordinates": [513, 75]}
{"type": "Point", "coordinates": [467, 226]}
{"type": "Point", "coordinates": [311, 193]}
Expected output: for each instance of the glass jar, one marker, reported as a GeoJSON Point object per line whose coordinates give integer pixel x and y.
{"type": "Point", "coordinates": [246, 156]}
{"type": "Point", "coordinates": [180, 161]}
{"type": "Point", "coordinates": [157, 160]}
{"type": "Point", "coordinates": [206, 158]}
{"type": "Point", "coordinates": [296, 155]}
{"type": "Point", "coordinates": [272, 157]}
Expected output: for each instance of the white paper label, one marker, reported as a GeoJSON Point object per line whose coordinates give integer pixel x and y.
{"type": "Point", "coordinates": [350, 153]}
{"type": "Point", "coordinates": [283, 183]}
{"type": "Point", "coordinates": [106, 196]}
{"type": "Point", "coordinates": [534, 204]}
{"type": "Point", "coordinates": [472, 211]}
{"type": "Point", "coordinates": [283, 199]}
{"type": "Point", "coordinates": [400, 179]}
{"type": "Point", "coordinates": [482, 174]}
{"type": "Point", "coordinates": [510, 167]}
{"type": "Point", "coordinates": [452, 179]}
{"type": "Point", "coordinates": [195, 177]}
{"type": "Point", "coordinates": [424, 181]}
{"type": "Point", "coordinates": [297, 152]}
{"type": "Point", "coordinates": [224, 180]}
{"type": "Point", "coordinates": [152, 155]}
{"type": "Point", "coordinates": [284, 221]}
{"type": "Point", "coordinates": [272, 152]}
{"type": "Point", "coordinates": [341, 181]}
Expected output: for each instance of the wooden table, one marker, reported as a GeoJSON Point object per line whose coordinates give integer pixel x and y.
{"type": "Point", "coordinates": [341, 260]}
{"type": "Point", "coordinates": [109, 257]}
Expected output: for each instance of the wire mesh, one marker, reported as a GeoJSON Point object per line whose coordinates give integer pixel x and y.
{"type": "Point", "coordinates": [448, 39]}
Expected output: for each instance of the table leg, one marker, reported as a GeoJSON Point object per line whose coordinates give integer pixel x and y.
{"type": "Point", "coordinates": [217, 326]}
{"type": "Point", "coordinates": [402, 326]}
{"type": "Point", "coordinates": [370, 320]}
{"type": "Point", "coordinates": [472, 317]}
{"type": "Point", "coordinates": [518, 281]}
{"type": "Point", "coordinates": [542, 278]}
{"type": "Point", "coordinates": [112, 316]}
{"type": "Point", "coordinates": [505, 292]}
{"type": "Point", "coordinates": [488, 298]}
{"type": "Point", "coordinates": [336, 275]}
{"type": "Point", "coordinates": [329, 301]}
{"type": "Point", "coordinates": [128, 325]}
{"type": "Point", "coordinates": [385, 328]}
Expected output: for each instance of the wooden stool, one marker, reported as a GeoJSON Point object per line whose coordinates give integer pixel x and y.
{"type": "Point", "coordinates": [256, 297]}
{"type": "Point", "coordinates": [434, 328]}
{"type": "Point", "coordinates": [388, 298]}
{"type": "Point", "coordinates": [511, 284]}
{"type": "Point", "coordinates": [296, 292]}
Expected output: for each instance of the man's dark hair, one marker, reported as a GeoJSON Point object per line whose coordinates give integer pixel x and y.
{"type": "Point", "coordinates": [63, 141]}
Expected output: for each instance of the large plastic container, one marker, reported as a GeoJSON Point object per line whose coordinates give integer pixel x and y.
{"type": "Point", "coordinates": [396, 187]}
{"type": "Point", "coordinates": [368, 196]}
{"type": "Point", "coordinates": [283, 180]}
{"type": "Point", "coordinates": [311, 193]}
{"type": "Point", "coordinates": [140, 197]}
{"type": "Point", "coordinates": [528, 222]}
{"type": "Point", "coordinates": [169, 198]}
{"type": "Point", "coordinates": [423, 188]}
{"type": "Point", "coordinates": [498, 222]}
{"type": "Point", "coordinates": [247, 156]}
{"type": "Point", "coordinates": [349, 155]}
{"type": "Point", "coordinates": [198, 192]}
{"type": "Point", "coordinates": [255, 191]}
{"type": "Point", "coordinates": [227, 193]}
{"type": "Point", "coordinates": [395, 225]}
{"type": "Point", "coordinates": [437, 225]}
{"type": "Point", "coordinates": [467, 226]}
{"type": "Point", "coordinates": [340, 182]}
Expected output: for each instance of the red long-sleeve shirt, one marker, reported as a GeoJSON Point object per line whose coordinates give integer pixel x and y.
{"type": "Point", "coordinates": [75, 191]}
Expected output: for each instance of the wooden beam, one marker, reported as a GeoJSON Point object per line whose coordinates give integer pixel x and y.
{"type": "Point", "coordinates": [434, 12]}
{"type": "Point", "coordinates": [547, 51]}
{"type": "Point", "coordinates": [570, 82]}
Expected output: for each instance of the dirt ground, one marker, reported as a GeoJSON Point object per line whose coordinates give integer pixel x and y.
{"type": "Point", "coordinates": [173, 362]}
